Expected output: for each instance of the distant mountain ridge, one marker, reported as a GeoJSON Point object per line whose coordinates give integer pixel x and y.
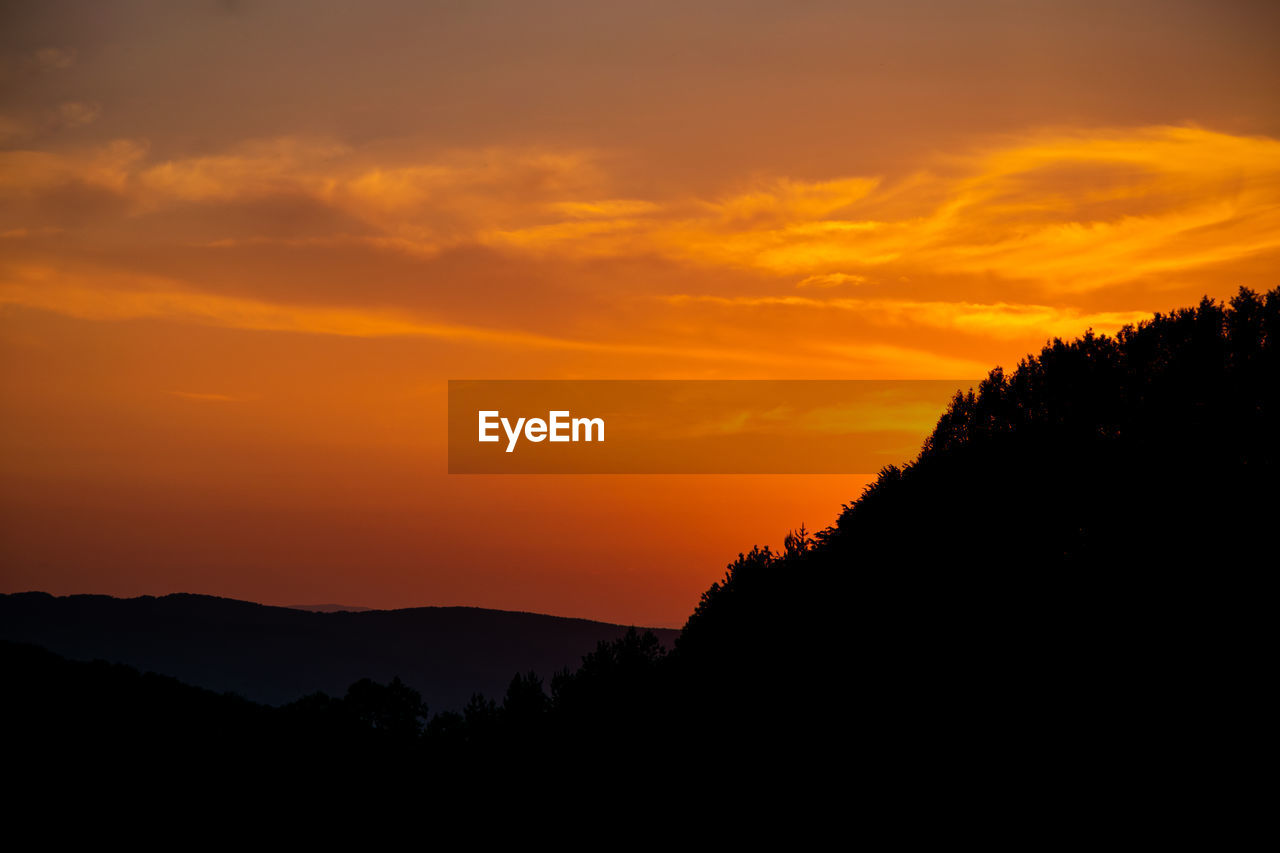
{"type": "Point", "coordinates": [278, 654]}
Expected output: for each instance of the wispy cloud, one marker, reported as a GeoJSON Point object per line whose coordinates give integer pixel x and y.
{"type": "Point", "coordinates": [831, 279]}
{"type": "Point", "coordinates": [54, 58]}
{"type": "Point", "coordinates": [127, 297]}
{"type": "Point", "coordinates": [1000, 319]}
{"type": "Point", "coordinates": [1067, 212]}
{"type": "Point", "coordinates": [1040, 228]}
{"type": "Point", "coordinates": [201, 397]}
{"type": "Point", "coordinates": [73, 114]}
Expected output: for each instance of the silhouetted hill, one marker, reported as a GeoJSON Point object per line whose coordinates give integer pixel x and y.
{"type": "Point", "coordinates": [65, 705]}
{"type": "Point", "coordinates": [1057, 609]}
{"type": "Point", "coordinates": [1069, 577]}
{"type": "Point", "coordinates": [92, 733]}
{"type": "Point", "coordinates": [278, 654]}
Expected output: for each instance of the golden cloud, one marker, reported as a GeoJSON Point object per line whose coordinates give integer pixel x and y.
{"type": "Point", "coordinates": [1041, 220]}
{"type": "Point", "coordinates": [1067, 212]}
{"type": "Point", "coordinates": [105, 296]}
{"type": "Point", "coordinates": [1000, 320]}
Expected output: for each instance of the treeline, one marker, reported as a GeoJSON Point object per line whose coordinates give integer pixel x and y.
{"type": "Point", "coordinates": [100, 714]}
{"type": "Point", "coordinates": [1067, 577]}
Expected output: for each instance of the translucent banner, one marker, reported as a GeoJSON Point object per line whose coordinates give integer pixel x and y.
{"type": "Point", "coordinates": [691, 427]}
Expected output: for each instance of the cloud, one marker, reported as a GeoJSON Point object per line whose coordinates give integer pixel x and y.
{"type": "Point", "coordinates": [784, 200]}
{"type": "Point", "coordinates": [831, 279]}
{"type": "Point", "coordinates": [1066, 212]}
{"type": "Point", "coordinates": [28, 233]}
{"type": "Point", "coordinates": [74, 114]}
{"type": "Point", "coordinates": [200, 397]}
{"type": "Point", "coordinates": [285, 165]}
{"type": "Point", "coordinates": [1000, 320]}
{"type": "Point", "coordinates": [54, 58]}
{"type": "Point", "coordinates": [101, 296]}
{"type": "Point", "coordinates": [13, 127]}
{"type": "Point", "coordinates": [111, 167]}
{"type": "Point", "coordinates": [1044, 234]}
{"type": "Point", "coordinates": [607, 209]}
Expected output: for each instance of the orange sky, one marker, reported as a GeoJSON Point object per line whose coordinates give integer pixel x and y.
{"type": "Point", "coordinates": [243, 247]}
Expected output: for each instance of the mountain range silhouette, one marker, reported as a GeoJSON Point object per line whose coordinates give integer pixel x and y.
{"type": "Point", "coordinates": [1061, 599]}
{"type": "Point", "coordinates": [275, 655]}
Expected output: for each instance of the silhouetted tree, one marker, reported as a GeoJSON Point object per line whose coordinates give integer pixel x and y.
{"type": "Point", "coordinates": [394, 709]}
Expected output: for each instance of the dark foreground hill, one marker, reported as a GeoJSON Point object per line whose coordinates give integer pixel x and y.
{"type": "Point", "coordinates": [1065, 591]}
{"type": "Point", "coordinates": [275, 655]}
{"type": "Point", "coordinates": [1057, 613]}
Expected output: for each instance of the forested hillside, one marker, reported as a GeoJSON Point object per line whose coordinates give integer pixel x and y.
{"type": "Point", "coordinates": [1070, 576]}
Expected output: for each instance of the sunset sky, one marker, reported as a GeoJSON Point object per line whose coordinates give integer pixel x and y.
{"type": "Point", "coordinates": [245, 245]}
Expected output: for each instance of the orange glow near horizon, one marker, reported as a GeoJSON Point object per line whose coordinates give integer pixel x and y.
{"type": "Point", "coordinates": [241, 255]}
